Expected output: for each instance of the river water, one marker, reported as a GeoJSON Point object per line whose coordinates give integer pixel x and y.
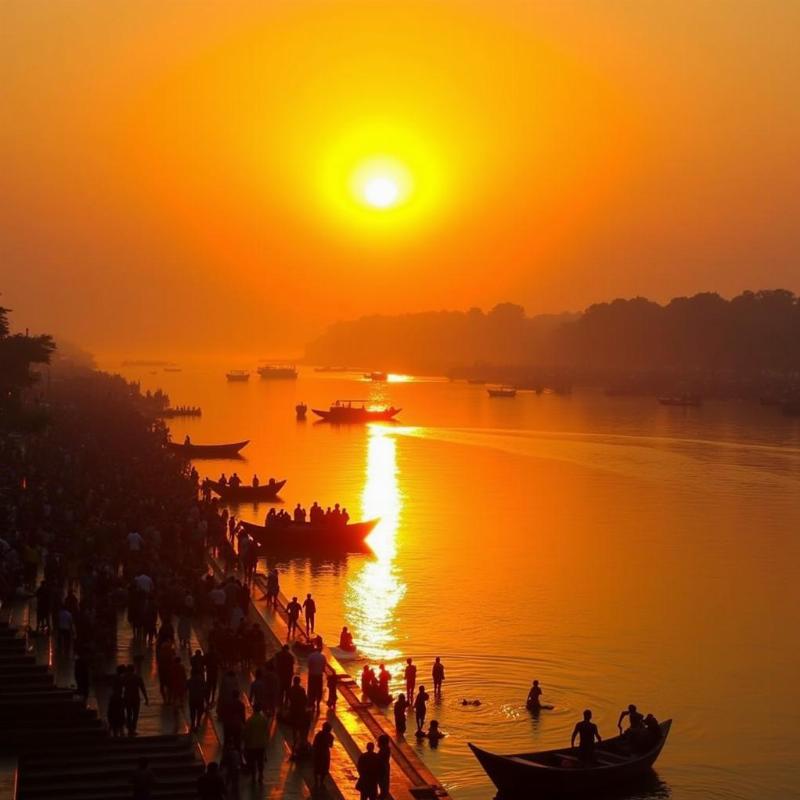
{"type": "Point", "coordinates": [617, 550]}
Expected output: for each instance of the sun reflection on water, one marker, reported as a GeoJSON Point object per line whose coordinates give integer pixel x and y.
{"type": "Point", "coordinates": [376, 589]}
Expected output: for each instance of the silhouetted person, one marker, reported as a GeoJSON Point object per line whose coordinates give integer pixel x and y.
{"type": "Point", "coordinates": [197, 698]}
{"type": "Point", "coordinates": [233, 717]}
{"type": "Point", "coordinates": [284, 666]}
{"type": "Point", "coordinates": [323, 742]}
{"type": "Point", "coordinates": [316, 664]}
{"type": "Point", "coordinates": [256, 733]}
{"type": "Point", "coordinates": [310, 610]}
{"type": "Point", "coordinates": [438, 676]}
{"type": "Point", "coordinates": [346, 640]}
{"type": "Point", "coordinates": [400, 710]}
{"type": "Point", "coordinates": [298, 714]}
{"type": "Point", "coordinates": [211, 786]}
{"type": "Point", "coordinates": [187, 441]}
{"type": "Point", "coordinates": [635, 720]}
{"type": "Point", "coordinates": [411, 679]}
{"type": "Point", "coordinates": [420, 707]}
{"type": "Point", "coordinates": [652, 732]}
{"type": "Point", "coordinates": [385, 756]}
{"type": "Point", "coordinates": [533, 702]}
{"type": "Point", "coordinates": [369, 772]}
{"type": "Point", "coordinates": [132, 687]}
{"type": "Point", "coordinates": [116, 712]}
{"type": "Point", "coordinates": [293, 609]}
{"type": "Point", "coordinates": [587, 731]}
{"type": "Point", "coordinates": [332, 694]}
{"type": "Point", "coordinates": [143, 781]}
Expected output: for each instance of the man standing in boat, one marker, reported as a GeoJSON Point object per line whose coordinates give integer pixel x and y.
{"type": "Point", "coordinates": [587, 731]}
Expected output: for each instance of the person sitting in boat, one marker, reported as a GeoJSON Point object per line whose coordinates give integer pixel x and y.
{"type": "Point", "coordinates": [345, 517]}
{"type": "Point", "coordinates": [587, 731]}
{"type": "Point", "coordinates": [187, 441]}
{"type": "Point", "coordinates": [223, 481]}
{"type": "Point", "coordinates": [533, 703]}
{"type": "Point", "coordinates": [635, 721]}
{"type": "Point", "coordinates": [652, 733]}
{"type": "Point", "coordinates": [270, 520]}
{"type": "Point", "coordinates": [336, 514]}
{"type": "Point", "coordinates": [314, 513]}
{"type": "Point", "coordinates": [235, 481]}
{"type": "Point", "coordinates": [346, 640]}
{"type": "Point", "coordinates": [271, 483]}
{"type": "Point", "coordinates": [256, 482]}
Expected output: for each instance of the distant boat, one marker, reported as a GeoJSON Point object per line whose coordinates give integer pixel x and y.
{"type": "Point", "coordinates": [208, 450]}
{"type": "Point", "coordinates": [181, 411]}
{"type": "Point", "coordinates": [238, 375]}
{"type": "Point", "coordinates": [356, 411]}
{"type": "Point", "coordinates": [300, 410]}
{"type": "Point", "coordinates": [246, 493]}
{"type": "Point", "coordinates": [278, 372]}
{"type": "Point", "coordinates": [375, 376]}
{"type": "Point", "coordinates": [681, 400]}
{"type": "Point", "coordinates": [560, 772]}
{"type": "Point", "coordinates": [502, 391]}
{"type": "Point", "coordinates": [307, 538]}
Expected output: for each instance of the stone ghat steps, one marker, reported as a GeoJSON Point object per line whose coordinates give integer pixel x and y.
{"type": "Point", "coordinates": [103, 771]}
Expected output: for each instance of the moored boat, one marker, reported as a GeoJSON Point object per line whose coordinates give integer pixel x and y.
{"type": "Point", "coordinates": [560, 772]}
{"type": "Point", "coordinates": [278, 372]}
{"type": "Point", "coordinates": [356, 411]}
{"type": "Point", "coordinates": [303, 537]}
{"type": "Point", "coordinates": [247, 493]}
{"type": "Point", "coordinates": [238, 375]}
{"type": "Point", "coordinates": [502, 391]}
{"type": "Point", "coordinates": [208, 450]}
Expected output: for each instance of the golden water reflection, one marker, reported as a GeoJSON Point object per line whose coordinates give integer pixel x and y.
{"type": "Point", "coordinates": [376, 589]}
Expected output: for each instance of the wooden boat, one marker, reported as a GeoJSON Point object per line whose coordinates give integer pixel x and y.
{"type": "Point", "coordinates": [681, 400]}
{"type": "Point", "coordinates": [207, 450]}
{"type": "Point", "coordinates": [245, 493]}
{"type": "Point", "coordinates": [344, 412]}
{"type": "Point", "coordinates": [238, 375]}
{"type": "Point", "coordinates": [181, 411]}
{"type": "Point", "coordinates": [502, 391]}
{"type": "Point", "coordinates": [277, 372]}
{"type": "Point", "coordinates": [305, 537]}
{"type": "Point", "coordinates": [561, 772]}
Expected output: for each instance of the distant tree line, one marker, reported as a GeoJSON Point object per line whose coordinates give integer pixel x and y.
{"type": "Point", "coordinates": [752, 334]}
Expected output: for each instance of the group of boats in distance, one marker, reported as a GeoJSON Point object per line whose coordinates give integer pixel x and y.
{"type": "Point", "coordinates": [266, 372]}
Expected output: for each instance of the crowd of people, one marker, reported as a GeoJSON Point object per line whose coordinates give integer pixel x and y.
{"type": "Point", "coordinates": [336, 517]}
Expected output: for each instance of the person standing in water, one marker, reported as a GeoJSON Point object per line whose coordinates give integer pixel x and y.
{"type": "Point", "coordinates": [438, 676]}
{"type": "Point", "coordinates": [420, 707]}
{"type": "Point", "coordinates": [400, 709]}
{"type": "Point", "coordinates": [293, 611]}
{"type": "Point", "coordinates": [534, 703]}
{"type": "Point", "coordinates": [411, 679]}
{"type": "Point", "coordinates": [310, 609]}
{"type": "Point", "coordinates": [587, 731]}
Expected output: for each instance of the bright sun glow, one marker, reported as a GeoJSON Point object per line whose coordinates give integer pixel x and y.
{"type": "Point", "coordinates": [381, 192]}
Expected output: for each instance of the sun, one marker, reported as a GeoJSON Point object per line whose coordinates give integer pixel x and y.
{"type": "Point", "coordinates": [381, 192]}
{"type": "Point", "coordinates": [381, 183]}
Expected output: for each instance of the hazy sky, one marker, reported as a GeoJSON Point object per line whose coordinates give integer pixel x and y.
{"type": "Point", "coordinates": [184, 175]}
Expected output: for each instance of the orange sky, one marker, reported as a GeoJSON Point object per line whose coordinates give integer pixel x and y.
{"type": "Point", "coordinates": [179, 172]}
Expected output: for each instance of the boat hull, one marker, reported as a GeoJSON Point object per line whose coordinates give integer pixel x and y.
{"type": "Point", "coordinates": [245, 494]}
{"type": "Point", "coordinates": [356, 416]}
{"type": "Point", "coordinates": [207, 450]}
{"type": "Point", "coordinates": [307, 538]}
{"type": "Point", "coordinates": [516, 776]}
